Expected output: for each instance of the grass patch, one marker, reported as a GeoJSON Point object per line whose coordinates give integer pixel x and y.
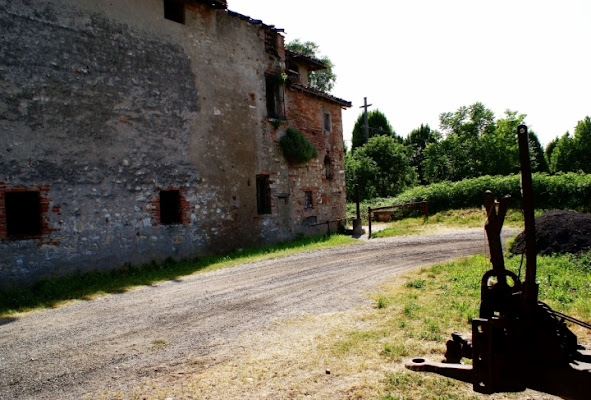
{"type": "Point", "coordinates": [159, 344]}
{"type": "Point", "coordinates": [365, 349]}
{"type": "Point", "coordinates": [415, 315]}
{"type": "Point", "coordinates": [55, 292]}
{"type": "Point", "coordinates": [468, 218]}
{"type": "Point", "coordinates": [425, 307]}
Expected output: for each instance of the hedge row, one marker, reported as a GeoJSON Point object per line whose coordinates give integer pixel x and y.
{"type": "Point", "coordinates": [561, 191]}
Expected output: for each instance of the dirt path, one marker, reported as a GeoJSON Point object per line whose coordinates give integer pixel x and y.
{"type": "Point", "coordinates": [115, 342]}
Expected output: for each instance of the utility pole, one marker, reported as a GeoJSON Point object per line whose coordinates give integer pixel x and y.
{"type": "Point", "coordinates": [366, 127]}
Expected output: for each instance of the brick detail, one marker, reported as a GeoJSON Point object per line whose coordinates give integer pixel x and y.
{"type": "Point", "coordinates": [154, 206]}
{"type": "Point", "coordinates": [44, 204]}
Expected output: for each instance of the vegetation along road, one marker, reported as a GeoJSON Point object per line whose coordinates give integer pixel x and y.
{"type": "Point", "coordinates": [115, 342]}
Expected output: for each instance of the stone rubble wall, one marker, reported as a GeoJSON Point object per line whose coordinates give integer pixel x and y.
{"type": "Point", "coordinates": [104, 104]}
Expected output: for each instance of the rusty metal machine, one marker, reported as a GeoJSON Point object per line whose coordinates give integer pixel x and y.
{"type": "Point", "coordinates": [517, 342]}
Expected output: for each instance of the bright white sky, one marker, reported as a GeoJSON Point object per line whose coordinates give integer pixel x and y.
{"type": "Point", "coordinates": [415, 59]}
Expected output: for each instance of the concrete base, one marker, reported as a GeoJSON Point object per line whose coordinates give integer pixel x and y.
{"type": "Point", "coordinates": [357, 227]}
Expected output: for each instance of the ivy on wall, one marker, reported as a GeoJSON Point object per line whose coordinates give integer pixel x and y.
{"type": "Point", "coordinates": [296, 148]}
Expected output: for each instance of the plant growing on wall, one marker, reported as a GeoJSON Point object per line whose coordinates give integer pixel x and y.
{"type": "Point", "coordinates": [296, 148]}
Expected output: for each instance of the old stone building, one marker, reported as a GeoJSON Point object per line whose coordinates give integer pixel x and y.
{"type": "Point", "coordinates": [137, 130]}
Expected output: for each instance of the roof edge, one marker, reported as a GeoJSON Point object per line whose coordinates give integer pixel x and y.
{"type": "Point", "coordinates": [321, 94]}
{"type": "Point", "coordinates": [313, 64]}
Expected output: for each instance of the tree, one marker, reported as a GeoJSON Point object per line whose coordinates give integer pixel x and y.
{"type": "Point", "coordinates": [539, 162]}
{"type": "Point", "coordinates": [381, 168]}
{"type": "Point", "coordinates": [322, 80]}
{"type": "Point", "coordinates": [476, 145]}
{"type": "Point", "coordinates": [550, 149]}
{"type": "Point", "coordinates": [462, 153]}
{"type": "Point", "coordinates": [417, 142]}
{"type": "Point", "coordinates": [562, 155]}
{"type": "Point", "coordinates": [572, 154]}
{"type": "Point", "coordinates": [378, 126]}
{"type": "Point", "coordinates": [472, 121]}
{"type": "Point", "coordinates": [451, 159]}
{"type": "Point", "coordinates": [499, 149]}
{"type": "Point", "coordinates": [583, 142]}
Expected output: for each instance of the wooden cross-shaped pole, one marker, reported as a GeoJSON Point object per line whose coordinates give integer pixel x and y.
{"type": "Point", "coordinates": [366, 123]}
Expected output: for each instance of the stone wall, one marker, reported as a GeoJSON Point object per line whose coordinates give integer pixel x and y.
{"type": "Point", "coordinates": [105, 105]}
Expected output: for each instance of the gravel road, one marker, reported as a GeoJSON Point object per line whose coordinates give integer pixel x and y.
{"type": "Point", "coordinates": [114, 342]}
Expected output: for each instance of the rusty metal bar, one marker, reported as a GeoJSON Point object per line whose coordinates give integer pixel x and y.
{"type": "Point", "coordinates": [531, 286]}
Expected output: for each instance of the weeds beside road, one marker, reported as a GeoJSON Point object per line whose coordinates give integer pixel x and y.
{"type": "Point", "coordinates": [310, 325]}
{"type": "Point", "coordinates": [359, 354]}
{"type": "Point", "coordinates": [179, 330]}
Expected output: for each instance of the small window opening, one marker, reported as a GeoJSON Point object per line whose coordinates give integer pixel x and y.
{"type": "Point", "coordinates": [23, 214]}
{"type": "Point", "coordinates": [327, 122]}
{"type": "Point", "coordinates": [293, 72]}
{"type": "Point", "coordinates": [273, 92]}
{"type": "Point", "coordinates": [328, 169]}
{"type": "Point", "coordinates": [170, 207]}
{"type": "Point", "coordinates": [174, 10]}
{"type": "Point", "coordinates": [309, 200]}
{"type": "Point", "coordinates": [263, 194]}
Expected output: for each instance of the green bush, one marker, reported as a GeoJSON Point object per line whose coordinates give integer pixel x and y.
{"type": "Point", "coordinates": [296, 148]}
{"type": "Point", "coordinates": [561, 191]}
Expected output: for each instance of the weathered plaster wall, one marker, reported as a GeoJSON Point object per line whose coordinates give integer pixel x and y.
{"type": "Point", "coordinates": [104, 104]}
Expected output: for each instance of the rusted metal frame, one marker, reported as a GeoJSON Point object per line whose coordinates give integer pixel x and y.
{"type": "Point", "coordinates": [564, 317]}
{"type": "Point", "coordinates": [531, 286]}
{"type": "Point", "coordinates": [493, 227]}
{"type": "Point", "coordinates": [521, 343]}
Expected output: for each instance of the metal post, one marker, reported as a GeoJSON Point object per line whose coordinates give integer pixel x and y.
{"type": "Point", "coordinates": [357, 226]}
{"type": "Point", "coordinates": [531, 287]}
{"type": "Point", "coordinates": [357, 201]}
{"type": "Point", "coordinates": [369, 221]}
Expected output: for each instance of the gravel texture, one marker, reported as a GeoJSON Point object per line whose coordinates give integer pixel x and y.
{"type": "Point", "coordinates": [115, 342]}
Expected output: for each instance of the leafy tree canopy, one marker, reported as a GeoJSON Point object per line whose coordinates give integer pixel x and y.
{"type": "Point", "coordinates": [381, 168]}
{"type": "Point", "coordinates": [472, 121]}
{"type": "Point", "coordinates": [572, 154]}
{"type": "Point", "coordinates": [416, 142]}
{"type": "Point", "coordinates": [477, 145]}
{"type": "Point", "coordinates": [378, 126]}
{"type": "Point", "coordinates": [322, 80]}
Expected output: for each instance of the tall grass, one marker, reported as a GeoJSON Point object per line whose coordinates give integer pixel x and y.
{"type": "Point", "coordinates": [415, 316]}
